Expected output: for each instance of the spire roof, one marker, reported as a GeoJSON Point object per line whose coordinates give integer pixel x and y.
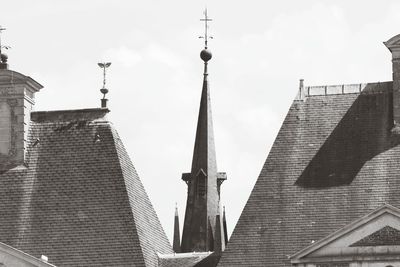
{"type": "Point", "coordinates": [177, 236]}
{"type": "Point", "coordinates": [203, 181]}
{"type": "Point", "coordinates": [204, 148]}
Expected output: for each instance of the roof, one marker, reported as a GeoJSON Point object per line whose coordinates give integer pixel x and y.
{"type": "Point", "coordinates": [181, 259]}
{"type": "Point", "coordinates": [359, 229]}
{"type": "Point", "coordinates": [334, 160]}
{"type": "Point", "coordinates": [78, 199]}
{"type": "Point", "coordinates": [210, 261]}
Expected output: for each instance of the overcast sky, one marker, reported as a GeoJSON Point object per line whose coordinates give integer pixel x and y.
{"type": "Point", "coordinates": [260, 51]}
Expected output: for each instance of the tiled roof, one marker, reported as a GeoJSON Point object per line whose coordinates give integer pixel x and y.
{"type": "Point", "coordinates": [79, 200]}
{"type": "Point", "coordinates": [334, 160]}
{"type": "Point", "coordinates": [181, 259]}
{"type": "Point", "coordinates": [210, 261]}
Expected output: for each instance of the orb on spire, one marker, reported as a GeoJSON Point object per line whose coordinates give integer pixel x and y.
{"type": "Point", "coordinates": [205, 55]}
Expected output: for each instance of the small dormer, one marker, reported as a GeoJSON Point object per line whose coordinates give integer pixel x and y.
{"type": "Point", "coordinates": [17, 98]}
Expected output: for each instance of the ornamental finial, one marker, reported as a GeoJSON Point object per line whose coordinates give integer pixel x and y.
{"type": "Point", "coordinates": [104, 90]}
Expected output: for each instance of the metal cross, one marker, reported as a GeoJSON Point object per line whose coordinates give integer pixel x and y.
{"type": "Point", "coordinates": [2, 46]}
{"type": "Point", "coordinates": [206, 20]}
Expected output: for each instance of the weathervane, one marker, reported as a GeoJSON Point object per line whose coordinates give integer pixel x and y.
{"type": "Point", "coordinates": [104, 90]}
{"type": "Point", "coordinates": [206, 20]}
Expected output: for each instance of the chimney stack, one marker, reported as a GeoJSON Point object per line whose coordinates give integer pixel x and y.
{"type": "Point", "coordinates": [393, 45]}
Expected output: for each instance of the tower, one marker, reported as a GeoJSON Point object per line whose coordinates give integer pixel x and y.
{"type": "Point", "coordinates": [17, 98]}
{"type": "Point", "coordinates": [203, 195]}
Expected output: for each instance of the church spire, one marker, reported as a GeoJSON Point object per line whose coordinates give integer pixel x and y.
{"type": "Point", "coordinates": [203, 181]}
{"type": "Point", "coordinates": [177, 237]}
{"type": "Point", "coordinates": [225, 228]}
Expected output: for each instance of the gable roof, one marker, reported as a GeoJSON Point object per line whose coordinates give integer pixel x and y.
{"type": "Point", "coordinates": [333, 161]}
{"type": "Point", "coordinates": [78, 199]}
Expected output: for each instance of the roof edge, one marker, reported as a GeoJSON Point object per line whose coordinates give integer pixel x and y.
{"type": "Point", "coordinates": [69, 115]}
{"type": "Point", "coordinates": [16, 77]}
{"type": "Point", "coordinates": [386, 208]}
{"type": "Point", "coordinates": [339, 89]}
{"type": "Point", "coordinates": [25, 256]}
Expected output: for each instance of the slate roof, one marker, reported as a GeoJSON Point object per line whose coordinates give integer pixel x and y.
{"type": "Point", "coordinates": [182, 259]}
{"type": "Point", "coordinates": [334, 160]}
{"type": "Point", "coordinates": [210, 261]}
{"type": "Point", "coordinates": [79, 200]}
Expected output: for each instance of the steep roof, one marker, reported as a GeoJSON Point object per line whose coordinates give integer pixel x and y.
{"type": "Point", "coordinates": [182, 259]}
{"type": "Point", "coordinates": [334, 160]}
{"type": "Point", "coordinates": [78, 199]}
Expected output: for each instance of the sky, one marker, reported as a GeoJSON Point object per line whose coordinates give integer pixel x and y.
{"type": "Point", "coordinates": [260, 51]}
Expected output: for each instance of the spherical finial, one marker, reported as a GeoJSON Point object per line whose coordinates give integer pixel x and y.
{"type": "Point", "coordinates": [205, 55]}
{"type": "Point", "coordinates": [4, 58]}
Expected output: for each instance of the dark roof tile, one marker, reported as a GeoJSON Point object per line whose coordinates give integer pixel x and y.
{"type": "Point", "coordinates": [79, 200]}
{"type": "Point", "coordinates": [333, 161]}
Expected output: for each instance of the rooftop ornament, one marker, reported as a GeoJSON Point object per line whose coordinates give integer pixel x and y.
{"type": "Point", "coordinates": [104, 90]}
{"type": "Point", "coordinates": [205, 54]}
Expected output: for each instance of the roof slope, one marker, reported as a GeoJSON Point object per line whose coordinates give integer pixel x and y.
{"type": "Point", "coordinates": [182, 259]}
{"type": "Point", "coordinates": [79, 200]}
{"type": "Point", "coordinates": [333, 161]}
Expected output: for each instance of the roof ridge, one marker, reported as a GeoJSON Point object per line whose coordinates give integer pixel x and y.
{"type": "Point", "coordinates": [334, 89]}
{"type": "Point", "coordinates": [69, 115]}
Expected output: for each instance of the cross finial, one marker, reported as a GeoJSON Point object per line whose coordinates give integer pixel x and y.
{"type": "Point", "coordinates": [206, 20]}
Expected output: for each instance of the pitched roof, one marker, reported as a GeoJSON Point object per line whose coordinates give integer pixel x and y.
{"type": "Point", "coordinates": [334, 160]}
{"type": "Point", "coordinates": [181, 259]}
{"type": "Point", "coordinates": [78, 199]}
{"type": "Point", "coordinates": [210, 261]}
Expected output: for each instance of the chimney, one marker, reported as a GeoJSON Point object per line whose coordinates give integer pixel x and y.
{"type": "Point", "coordinates": [393, 45]}
{"type": "Point", "coordinates": [17, 93]}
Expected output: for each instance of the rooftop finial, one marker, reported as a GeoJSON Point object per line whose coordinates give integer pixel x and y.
{"type": "Point", "coordinates": [205, 54]}
{"type": "Point", "coordinates": [206, 20]}
{"type": "Point", "coordinates": [3, 57]}
{"type": "Point", "coordinates": [104, 90]}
